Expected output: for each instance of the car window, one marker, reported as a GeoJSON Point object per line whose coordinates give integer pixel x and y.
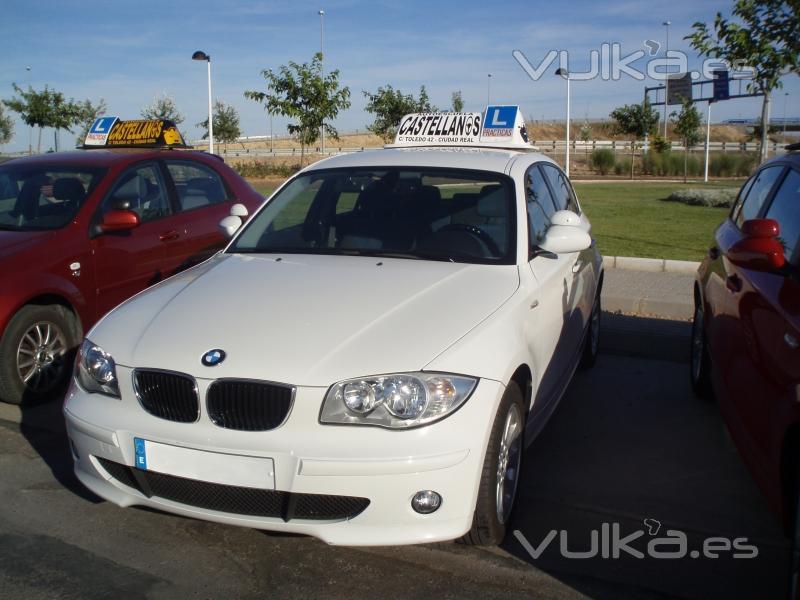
{"type": "Point", "coordinates": [564, 196]}
{"type": "Point", "coordinates": [737, 205]}
{"type": "Point", "coordinates": [196, 185]}
{"type": "Point", "coordinates": [758, 193]}
{"type": "Point", "coordinates": [785, 209]}
{"type": "Point", "coordinates": [141, 190]}
{"type": "Point", "coordinates": [433, 214]}
{"type": "Point", "coordinates": [540, 205]}
{"type": "Point", "coordinates": [37, 197]}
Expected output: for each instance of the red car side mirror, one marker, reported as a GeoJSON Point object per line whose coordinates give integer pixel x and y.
{"type": "Point", "coordinates": [119, 220]}
{"type": "Point", "coordinates": [759, 249]}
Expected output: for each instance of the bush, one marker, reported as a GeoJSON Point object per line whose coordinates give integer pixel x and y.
{"type": "Point", "coordinates": [716, 197]}
{"type": "Point", "coordinates": [603, 160]}
{"type": "Point", "coordinates": [264, 169]}
{"type": "Point", "coordinates": [731, 165]}
{"type": "Point", "coordinates": [670, 164]}
{"type": "Point", "coordinates": [623, 167]}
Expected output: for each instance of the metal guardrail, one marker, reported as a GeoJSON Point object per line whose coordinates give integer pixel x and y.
{"type": "Point", "coordinates": [546, 146]}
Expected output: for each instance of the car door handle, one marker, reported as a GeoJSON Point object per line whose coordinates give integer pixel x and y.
{"type": "Point", "coordinates": [790, 341]}
{"type": "Point", "coordinates": [734, 284]}
{"type": "Point", "coordinates": [713, 253]}
{"type": "Point", "coordinates": [169, 236]}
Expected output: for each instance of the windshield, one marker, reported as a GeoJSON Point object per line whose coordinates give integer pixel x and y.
{"type": "Point", "coordinates": [43, 196]}
{"type": "Point", "coordinates": [434, 214]}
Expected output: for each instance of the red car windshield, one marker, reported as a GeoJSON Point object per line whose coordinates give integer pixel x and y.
{"type": "Point", "coordinates": [43, 197]}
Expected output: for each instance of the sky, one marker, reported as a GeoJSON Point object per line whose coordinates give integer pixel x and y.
{"type": "Point", "coordinates": [129, 52]}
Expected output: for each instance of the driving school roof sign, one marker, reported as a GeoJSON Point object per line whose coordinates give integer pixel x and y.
{"type": "Point", "coordinates": [110, 132]}
{"type": "Point", "coordinates": [499, 126]}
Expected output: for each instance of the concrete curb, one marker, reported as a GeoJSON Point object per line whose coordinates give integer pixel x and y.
{"type": "Point", "coordinates": [654, 265]}
{"type": "Point", "coordinates": [648, 307]}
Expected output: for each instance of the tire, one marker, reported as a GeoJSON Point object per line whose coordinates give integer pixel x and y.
{"type": "Point", "coordinates": [504, 453]}
{"type": "Point", "coordinates": [699, 359]}
{"type": "Point", "coordinates": [591, 345]}
{"type": "Point", "coordinates": [36, 353]}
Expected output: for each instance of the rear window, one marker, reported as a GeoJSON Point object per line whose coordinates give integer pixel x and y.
{"type": "Point", "coordinates": [43, 197]}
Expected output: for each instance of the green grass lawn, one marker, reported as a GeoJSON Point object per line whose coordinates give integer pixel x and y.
{"type": "Point", "coordinates": [631, 219]}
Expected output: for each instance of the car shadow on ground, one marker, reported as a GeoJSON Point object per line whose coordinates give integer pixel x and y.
{"type": "Point", "coordinates": [631, 447]}
{"type": "Point", "coordinates": [42, 425]}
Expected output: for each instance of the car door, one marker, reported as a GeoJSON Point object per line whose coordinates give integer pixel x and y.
{"type": "Point", "coordinates": [553, 303]}
{"type": "Point", "coordinates": [584, 277]}
{"type": "Point", "coordinates": [766, 366]}
{"type": "Point", "coordinates": [721, 293]}
{"type": "Point", "coordinates": [127, 262]}
{"type": "Point", "coordinates": [203, 200]}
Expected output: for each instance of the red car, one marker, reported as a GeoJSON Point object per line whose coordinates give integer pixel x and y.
{"type": "Point", "coordinates": [82, 231]}
{"type": "Point", "coordinates": [746, 333]}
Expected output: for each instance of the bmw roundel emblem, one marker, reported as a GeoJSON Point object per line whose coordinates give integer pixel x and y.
{"type": "Point", "coordinates": [213, 357]}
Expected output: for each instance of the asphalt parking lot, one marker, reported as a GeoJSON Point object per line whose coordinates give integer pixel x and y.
{"type": "Point", "coordinates": [629, 442]}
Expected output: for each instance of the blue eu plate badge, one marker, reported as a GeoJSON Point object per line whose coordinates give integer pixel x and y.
{"type": "Point", "coordinates": [141, 453]}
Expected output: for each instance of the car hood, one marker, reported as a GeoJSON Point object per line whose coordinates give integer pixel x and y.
{"type": "Point", "coordinates": [304, 320]}
{"type": "Point", "coordinates": [14, 242]}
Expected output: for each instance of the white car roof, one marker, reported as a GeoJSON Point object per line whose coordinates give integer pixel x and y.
{"type": "Point", "coordinates": [481, 159]}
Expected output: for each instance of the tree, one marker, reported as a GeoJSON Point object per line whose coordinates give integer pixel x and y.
{"type": "Point", "coordinates": [634, 120]}
{"type": "Point", "coordinates": [47, 108]}
{"type": "Point", "coordinates": [226, 123]}
{"type": "Point", "coordinates": [390, 105]}
{"type": "Point", "coordinates": [163, 107]}
{"type": "Point", "coordinates": [457, 102]}
{"type": "Point", "coordinates": [585, 134]}
{"type": "Point", "coordinates": [757, 132]}
{"type": "Point", "coordinates": [88, 114]}
{"type": "Point", "coordinates": [687, 125]}
{"type": "Point", "coordinates": [765, 38]}
{"type": "Point", "coordinates": [6, 127]}
{"type": "Point", "coordinates": [301, 92]}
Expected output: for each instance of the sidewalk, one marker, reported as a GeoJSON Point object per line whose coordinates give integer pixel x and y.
{"type": "Point", "coordinates": [665, 294]}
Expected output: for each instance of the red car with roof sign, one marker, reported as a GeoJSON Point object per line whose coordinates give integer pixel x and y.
{"type": "Point", "coordinates": [82, 231]}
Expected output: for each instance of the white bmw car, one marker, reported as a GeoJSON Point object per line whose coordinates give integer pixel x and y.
{"type": "Point", "coordinates": [366, 360]}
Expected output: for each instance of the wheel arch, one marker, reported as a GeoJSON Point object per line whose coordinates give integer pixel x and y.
{"type": "Point", "coordinates": [523, 377]}
{"type": "Point", "coordinates": [52, 299]}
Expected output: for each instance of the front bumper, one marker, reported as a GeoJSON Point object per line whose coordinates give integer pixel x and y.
{"type": "Point", "coordinates": [386, 467]}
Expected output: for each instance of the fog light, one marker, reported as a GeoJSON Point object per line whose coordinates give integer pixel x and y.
{"type": "Point", "coordinates": [426, 502]}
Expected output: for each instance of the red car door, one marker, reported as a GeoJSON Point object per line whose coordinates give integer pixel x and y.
{"type": "Point", "coordinates": [127, 262]}
{"type": "Point", "coordinates": [723, 330]}
{"type": "Point", "coordinates": [764, 366]}
{"type": "Point", "coordinates": [203, 200]}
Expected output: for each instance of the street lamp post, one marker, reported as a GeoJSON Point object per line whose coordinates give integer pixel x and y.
{"type": "Point", "coordinates": [30, 127]}
{"type": "Point", "coordinates": [200, 55]}
{"type": "Point", "coordinates": [785, 99]}
{"type": "Point", "coordinates": [488, 89]}
{"type": "Point", "coordinates": [322, 62]}
{"type": "Point", "coordinates": [666, 81]}
{"type": "Point", "coordinates": [562, 72]}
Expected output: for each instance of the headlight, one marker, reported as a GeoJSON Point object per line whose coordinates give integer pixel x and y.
{"type": "Point", "coordinates": [96, 372]}
{"type": "Point", "coordinates": [397, 401]}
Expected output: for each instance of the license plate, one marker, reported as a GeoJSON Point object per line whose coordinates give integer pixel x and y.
{"type": "Point", "coordinates": [213, 467]}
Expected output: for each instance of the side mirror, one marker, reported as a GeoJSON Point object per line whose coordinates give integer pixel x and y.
{"type": "Point", "coordinates": [565, 235]}
{"type": "Point", "coordinates": [119, 220]}
{"type": "Point", "coordinates": [231, 224]}
{"type": "Point", "coordinates": [759, 249]}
